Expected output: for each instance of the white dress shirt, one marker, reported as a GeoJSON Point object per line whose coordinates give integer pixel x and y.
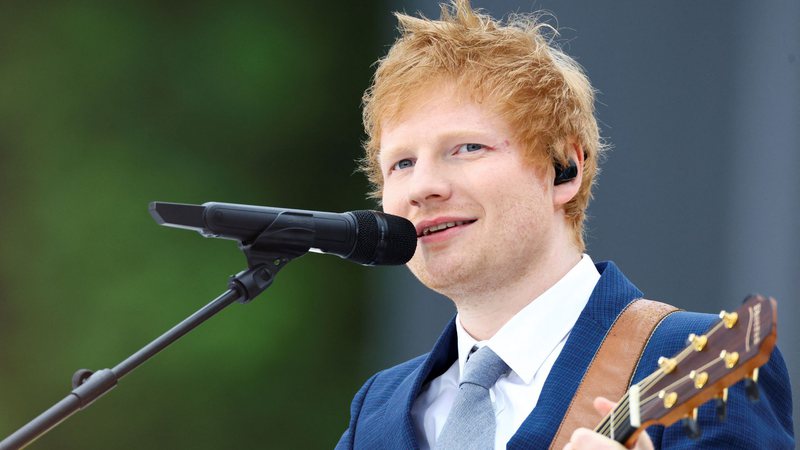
{"type": "Point", "coordinates": [529, 343]}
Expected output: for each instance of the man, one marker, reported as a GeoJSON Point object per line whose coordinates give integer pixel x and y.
{"type": "Point", "coordinates": [484, 136]}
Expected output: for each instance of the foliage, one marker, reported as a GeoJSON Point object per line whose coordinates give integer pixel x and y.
{"type": "Point", "coordinates": [107, 106]}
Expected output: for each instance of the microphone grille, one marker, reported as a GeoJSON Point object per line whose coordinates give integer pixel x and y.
{"type": "Point", "coordinates": [383, 239]}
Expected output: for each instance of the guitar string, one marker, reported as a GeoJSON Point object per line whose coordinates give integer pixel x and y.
{"type": "Point", "coordinates": [678, 359]}
{"type": "Point", "coordinates": [605, 425]}
{"type": "Point", "coordinates": [623, 409]}
{"type": "Point", "coordinates": [621, 413]}
{"type": "Point", "coordinates": [624, 415]}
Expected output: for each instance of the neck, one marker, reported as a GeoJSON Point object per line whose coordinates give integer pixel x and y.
{"type": "Point", "coordinates": [484, 310]}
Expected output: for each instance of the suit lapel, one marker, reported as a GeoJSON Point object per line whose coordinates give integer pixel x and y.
{"type": "Point", "coordinates": [612, 293]}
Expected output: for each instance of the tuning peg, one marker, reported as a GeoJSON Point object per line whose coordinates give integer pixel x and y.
{"type": "Point", "coordinates": [700, 379]}
{"type": "Point", "coordinates": [751, 386]}
{"type": "Point", "coordinates": [697, 342]}
{"type": "Point", "coordinates": [721, 405]}
{"type": "Point", "coordinates": [729, 319]}
{"type": "Point", "coordinates": [690, 426]}
{"type": "Point", "coordinates": [730, 358]}
{"type": "Point", "coordinates": [667, 364]}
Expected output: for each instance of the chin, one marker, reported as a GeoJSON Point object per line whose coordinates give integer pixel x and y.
{"type": "Point", "coordinates": [445, 279]}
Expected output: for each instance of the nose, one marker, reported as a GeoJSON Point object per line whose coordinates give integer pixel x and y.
{"type": "Point", "coordinates": [430, 183]}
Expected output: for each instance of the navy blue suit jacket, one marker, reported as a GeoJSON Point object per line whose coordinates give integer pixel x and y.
{"type": "Point", "coordinates": [380, 412]}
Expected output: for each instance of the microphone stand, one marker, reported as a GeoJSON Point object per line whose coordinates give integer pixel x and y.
{"type": "Point", "coordinates": [264, 261]}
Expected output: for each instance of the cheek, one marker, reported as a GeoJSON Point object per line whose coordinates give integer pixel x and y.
{"type": "Point", "coordinates": [391, 201]}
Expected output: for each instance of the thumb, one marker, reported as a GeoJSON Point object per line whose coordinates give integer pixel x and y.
{"type": "Point", "coordinates": [603, 405]}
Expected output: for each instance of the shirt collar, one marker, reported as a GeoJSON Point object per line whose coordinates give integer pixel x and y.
{"type": "Point", "coordinates": [526, 340]}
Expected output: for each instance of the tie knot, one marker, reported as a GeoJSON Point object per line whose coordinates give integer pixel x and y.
{"type": "Point", "coordinates": [483, 368]}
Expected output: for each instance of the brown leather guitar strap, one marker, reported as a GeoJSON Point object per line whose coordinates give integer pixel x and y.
{"type": "Point", "coordinates": [612, 368]}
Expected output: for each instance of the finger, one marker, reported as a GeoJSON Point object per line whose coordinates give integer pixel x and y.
{"type": "Point", "coordinates": [603, 405]}
{"type": "Point", "coordinates": [644, 442]}
{"type": "Point", "coordinates": [584, 438]}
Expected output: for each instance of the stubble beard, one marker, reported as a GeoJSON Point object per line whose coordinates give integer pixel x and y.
{"type": "Point", "coordinates": [472, 275]}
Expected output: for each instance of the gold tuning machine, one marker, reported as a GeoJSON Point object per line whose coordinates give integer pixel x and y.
{"type": "Point", "coordinates": [728, 319]}
{"type": "Point", "coordinates": [700, 378]}
{"type": "Point", "coordinates": [730, 358]}
{"type": "Point", "coordinates": [667, 364]}
{"type": "Point", "coordinates": [669, 398]}
{"type": "Point", "coordinates": [698, 342]}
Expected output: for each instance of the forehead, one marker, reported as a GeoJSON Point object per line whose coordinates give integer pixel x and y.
{"type": "Point", "coordinates": [428, 95]}
{"type": "Point", "coordinates": [439, 112]}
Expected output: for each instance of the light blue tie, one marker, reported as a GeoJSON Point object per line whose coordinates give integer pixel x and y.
{"type": "Point", "coordinates": [471, 423]}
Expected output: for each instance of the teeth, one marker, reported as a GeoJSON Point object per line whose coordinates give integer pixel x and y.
{"type": "Point", "coordinates": [442, 226]}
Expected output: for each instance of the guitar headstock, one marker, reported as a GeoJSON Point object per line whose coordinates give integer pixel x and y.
{"type": "Point", "coordinates": [731, 350]}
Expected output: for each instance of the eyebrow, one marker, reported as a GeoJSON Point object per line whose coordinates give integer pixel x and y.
{"type": "Point", "coordinates": [465, 135]}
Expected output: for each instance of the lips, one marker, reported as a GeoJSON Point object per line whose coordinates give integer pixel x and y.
{"type": "Point", "coordinates": [429, 227]}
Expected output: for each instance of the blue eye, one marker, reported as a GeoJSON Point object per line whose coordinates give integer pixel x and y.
{"type": "Point", "coordinates": [403, 164]}
{"type": "Point", "coordinates": [468, 148]}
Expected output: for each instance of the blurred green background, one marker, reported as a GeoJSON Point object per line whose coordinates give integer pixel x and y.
{"type": "Point", "coordinates": [107, 106]}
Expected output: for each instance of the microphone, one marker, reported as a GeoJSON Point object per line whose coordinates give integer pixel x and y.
{"type": "Point", "coordinates": [365, 237]}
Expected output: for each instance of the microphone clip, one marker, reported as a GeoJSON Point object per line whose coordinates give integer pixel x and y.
{"type": "Point", "coordinates": [266, 256]}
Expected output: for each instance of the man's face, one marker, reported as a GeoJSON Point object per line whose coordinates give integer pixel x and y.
{"type": "Point", "coordinates": [484, 216]}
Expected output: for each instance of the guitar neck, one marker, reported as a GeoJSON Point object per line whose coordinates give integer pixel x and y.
{"type": "Point", "coordinates": [617, 424]}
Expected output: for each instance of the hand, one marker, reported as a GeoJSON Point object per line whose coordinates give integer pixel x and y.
{"type": "Point", "coordinates": [584, 438]}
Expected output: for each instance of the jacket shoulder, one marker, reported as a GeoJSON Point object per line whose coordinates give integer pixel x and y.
{"type": "Point", "coordinates": [382, 392]}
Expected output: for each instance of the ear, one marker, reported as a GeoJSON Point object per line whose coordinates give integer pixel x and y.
{"type": "Point", "coordinates": [566, 191]}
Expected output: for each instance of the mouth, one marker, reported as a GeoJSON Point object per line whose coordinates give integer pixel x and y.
{"type": "Point", "coordinates": [433, 228]}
